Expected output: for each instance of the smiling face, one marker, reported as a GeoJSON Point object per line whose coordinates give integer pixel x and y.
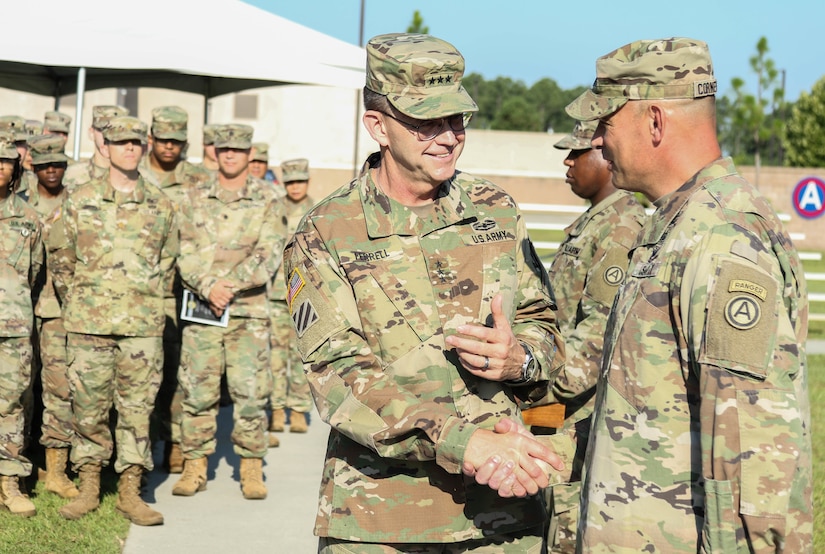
{"type": "Point", "coordinates": [621, 138]}
{"type": "Point", "coordinates": [232, 161]}
{"type": "Point", "coordinates": [422, 164]}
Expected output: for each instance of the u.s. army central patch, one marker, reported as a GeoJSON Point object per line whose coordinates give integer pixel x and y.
{"type": "Point", "coordinates": [742, 312]}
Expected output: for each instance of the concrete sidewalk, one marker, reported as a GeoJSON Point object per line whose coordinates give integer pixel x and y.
{"type": "Point", "coordinates": [219, 519]}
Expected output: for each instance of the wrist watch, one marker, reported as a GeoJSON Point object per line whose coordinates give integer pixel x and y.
{"type": "Point", "coordinates": [528, 368]}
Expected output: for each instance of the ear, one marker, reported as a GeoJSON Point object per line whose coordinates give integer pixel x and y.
{"type": "Point", "coordinates": [657, 118]}
{"type": "Point", "coordinates": [376, 127]}
{"type": "Point", "coordinates": [104, 149]}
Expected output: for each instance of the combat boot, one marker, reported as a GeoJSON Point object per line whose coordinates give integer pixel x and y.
{"type": "Point", "coordinates": [14, 499]}
{"type": "Point", "coordinates": [273, 440]}
{"type": "Point", "coordinates": [193, 479]}
{"type": "Point", "coordinates": [129, 502]}
{"type": "Point", "coordinates": [56, 480]}
{"type": "Point", "coordinates": [89, 497]}
{"type": "Point", "coordinates": [252, 479]}
{"type": "Point", "coordinates": [297, 422]}
{"type": "Point", "coordinates": [278, 421]}
{"type": "Point", "coordinates": [173, 455]}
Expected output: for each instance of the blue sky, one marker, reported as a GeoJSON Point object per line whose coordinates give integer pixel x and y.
{"type": "Point", "coordinates": [530, 39]}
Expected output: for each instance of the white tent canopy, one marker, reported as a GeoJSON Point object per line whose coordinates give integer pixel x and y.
{"type": "Point", "coordinates": [209, 48]}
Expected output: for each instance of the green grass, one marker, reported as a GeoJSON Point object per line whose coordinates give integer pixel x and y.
{"type": "Point", "coordinates": [102, 531]}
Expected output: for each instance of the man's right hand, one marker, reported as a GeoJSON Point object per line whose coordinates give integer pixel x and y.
{"type": "Point", "coordinates": [509, 460]}
{"type": "Point", "coordinates": [220, 296]}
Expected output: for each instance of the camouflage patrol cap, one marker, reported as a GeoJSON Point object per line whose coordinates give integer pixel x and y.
{"type": "Point", "coordinates": [33, 127]}
{"type": "Point", "coordinates": [209, 134]}
{"type": "Point", "coordinates": [47, 148]}
{"type": "Point", "coordinates": [125, 128]}
{"type": "Point", "coordinates": [419, 74]}
{"type": "Point", "coordinates": [15, 125]}
{"type": "Point", "coordinates": [169, 122]}
{"type": "Point", "coordinates": [56, 121]}
{"type": "Point", "coordinates": [7, 149]}
{"type": "Point", "coordinates": [261, 152]}
{"type": "Point", "coordinates": [234, 136]}
{"type": "Point", "coordinates": [579, 139]}
{"type": "Point", "coordinates": [647, 69]}
{"type": "Point", "coordinates": [101, 115]}
{"type": "Point", "coordinates": [295, 170]}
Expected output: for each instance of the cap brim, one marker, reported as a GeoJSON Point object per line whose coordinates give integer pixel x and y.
{"type": "Point", "coordinates": [434, 106]}
{"type": "Point", "coordinates": [50, 158]}
{"type": "Point", "coordinates": [589, 106]}
{"type": "Point", "coordinates": [572, 143]}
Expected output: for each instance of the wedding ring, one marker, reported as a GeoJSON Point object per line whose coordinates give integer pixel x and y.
{"type": "Point", "coordinates": [486, 363]}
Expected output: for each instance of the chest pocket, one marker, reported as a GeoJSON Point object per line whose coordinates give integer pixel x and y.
{"type": "Point", "coordinates": [15, 243]}
{"type": "Point", "coordinates": [150, 237]}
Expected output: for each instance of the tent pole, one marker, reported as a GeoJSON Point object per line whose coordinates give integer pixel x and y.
{"type": "Point", "coordinates": [81, 86]}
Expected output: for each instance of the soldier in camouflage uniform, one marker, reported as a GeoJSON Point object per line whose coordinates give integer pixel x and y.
{"type": "Point", "coordinates": [290, 389]}
{"type": "Point", "coordinates": [16, 126]}
{"type": "Point", "coordinates": [165, 168]}
{"type": "Point", "coordinates": [232, 237]}
{"type": "Point", "coordinates": [21, 263]}
{"type": "Point", "coordinates": [259, 161]}
{"type": "Point", "coordinates": [209, 163]}
{"type": "Point", "coordinates": [423, 314]}
{"type": "Point", "coordinates": [49, 163]}
{"type": "Point", "coordinates": [586, 272]}
{"type": "Point", "coordinates": [95, 168]}
{"type": "Point", "coordinates": [701, 437]}
{"type": "Point", "coordinates": [33, 128]}
{"type": "Point", "coordinates": [57, 123]}
{"type": "Point", "coordinates": [111, 255]}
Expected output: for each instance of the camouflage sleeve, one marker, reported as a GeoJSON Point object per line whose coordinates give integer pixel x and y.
{"type": "Point", "coordinates": [259, 268]}
{"type": "Point", "coordinates": [37, 275]}
{"type": "Point", "coordinates": [535, 321]}
{"type": "Point", "coordinates": [194, 271]}
{"type": "Point", "coordinates": [754, 425]}
{"type": "Point", "coordinates": [585, 343]}
{"type": "Point", "coordinates": [169, 254]}
{"type": "Point", "coordinates": [61, 248]}
{"type": "Point", "coordinates": [410, 417]}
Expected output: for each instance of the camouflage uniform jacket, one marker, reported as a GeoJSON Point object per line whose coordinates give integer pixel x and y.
{"type": "Point", "coordinates": [235, 235]}
{"type": "Point", "coordinates": [27, 182]}
{"type": "Point", "coordinates": [21, 264]}
{"type": "Point", "coordinates": [47, 306]}
{"type": "Point", "coordinates": [373, 289]}
{"type": "Point", "coordinates": [81, 173]}
{"type": "Point", "coordinates": [294, 213]}
{"type": "Point", "coordinates": [701, 431]}
{"type": "Point", "coordinates": [586, 272]}
{"type": "Point", "coordinates": [111, 257]}
{"type": "Point", "coordinates": [176, 183]}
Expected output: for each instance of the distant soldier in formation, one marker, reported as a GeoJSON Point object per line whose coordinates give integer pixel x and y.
{"type": "Point", "coordinates": [586, 272]}
{"type": "Point", "coordinates": [290, 389]}
{"type": "Point", "coordinates": [80, 173]}
{"type": "Point", "coordinates": [259, 162]}
{"type": "Point", "coordinates": [50, 162]}
{"type": "Point", "coordinates": [210, 162]}
{"type": "Point", "coordinates": [15, 126]}
{"type": "Point", "coordinates": [33, 128]}
{"type": "Point", "coordinates": [232, 238]}
{"type": "Point", "coordinates": [57, 123]}
{"type": "Point", "coordinates": [112, 254]}
{"type": "Point", "coordinates": [165, 168]}
{"type": "Point", "coordinates": [21, 265]}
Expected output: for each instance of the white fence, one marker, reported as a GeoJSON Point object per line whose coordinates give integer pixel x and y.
{"type": "Point", "coordinates": [551, 217]}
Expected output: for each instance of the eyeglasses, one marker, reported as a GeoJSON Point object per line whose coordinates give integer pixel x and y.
{"type": "Point", "coordinates": [431, 128]}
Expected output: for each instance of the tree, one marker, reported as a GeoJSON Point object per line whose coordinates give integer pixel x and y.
{"type": "Point", "coordinates": [417, 24]}
{"type": "Point", "coordinates": [804, 137]}
{"type": "Point", "coordinates": [750, 130]}
{"type": "Point", "coordinates": [517, 114]}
